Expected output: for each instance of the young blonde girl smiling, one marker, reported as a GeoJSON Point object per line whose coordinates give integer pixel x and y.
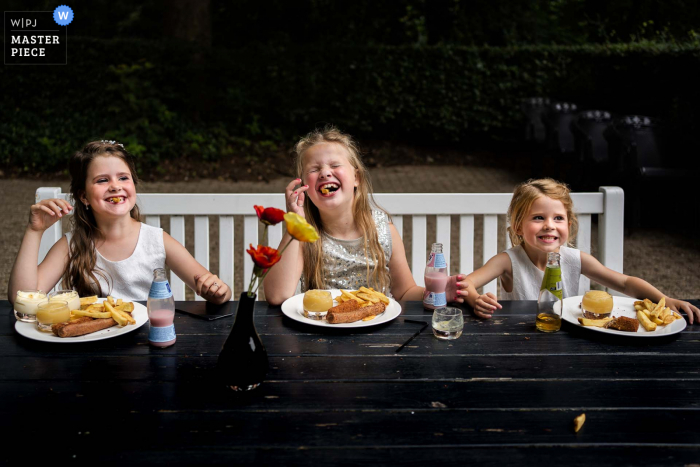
{"type": "Point", "coordinates": [109, 250]}
{"type": "Point", "coordinates": [359, 246]}
{"type": "Point", "coordinates": [542, 220]}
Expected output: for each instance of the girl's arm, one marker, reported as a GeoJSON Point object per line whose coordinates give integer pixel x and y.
{"type": "Point", "coordinates": [26, 275]}
{"type": "Point", "coordinates": [484, 305]}
{"type": "Point", "coordinates": [632, 286]}
{"type": "Point", "coordinates": [194, 274]}
{"type": "Point", "coordinates": [282, 279]}
{"type": "Point", "coordinates": [403, 286]}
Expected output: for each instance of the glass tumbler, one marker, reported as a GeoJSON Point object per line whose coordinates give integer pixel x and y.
{"type": "Point", "coordinates": [448, 323]}
{"type": "Point", "coordinates": [26, 303]}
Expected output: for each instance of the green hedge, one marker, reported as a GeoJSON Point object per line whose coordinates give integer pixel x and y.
{"type": "Point", "coordinates": [167, 101]}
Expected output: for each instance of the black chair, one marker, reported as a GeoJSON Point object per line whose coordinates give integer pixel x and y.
{"type": "Point", "coordinates": [532, 108]}
{"type": "Point", "coordinates": [557, 122]}
{"type": "Point", "coordinates": [592, 149]}
{"type": "Point", "coordinates": [641, 156]}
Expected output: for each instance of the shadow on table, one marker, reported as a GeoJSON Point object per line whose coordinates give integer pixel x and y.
{"type": "Point", "coordinates": [617, 339]}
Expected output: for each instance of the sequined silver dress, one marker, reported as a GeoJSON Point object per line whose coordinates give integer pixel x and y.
{"type": "Point", "coordinates": [344, 260]}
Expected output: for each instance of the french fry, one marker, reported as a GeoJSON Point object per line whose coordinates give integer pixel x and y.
{"type": "Point", "coordinates": [88, 300]}
{"type": "Point", "coordinates": [91, 314]}
{"type": "Point", "coordinates": [96, 307]}
{"type": "Point", "coordinates": [658, 308]}
{"type": "Point", "coordinates": [351, 295]}
{"type": "Point", "coordinates": [656, 320]}
{"type": "Point", "coordinates": [118, 316]}
{"type": "Point", "coordinates": [669, 319]}
{"type": "Point", "coordinates": [579, 421]}
{"type": "Point", "coordinates": [110, 300]}
{"type": "Point", "coordinates": [649, 304]}
{"type": "Point", "coordinates": [119, 301]}
{"type": "Point", "coordinates": [646, 322]}
{"type": "Point", "coordinates": [368, 297]}
{"type": "Point", "coordinates": [369, 318]}
{"type": "Point", "coordinates": [373, 293]}
{"type": "Point", "coordinates": [638, 307]}
{"type": "Point", "coordinates": [598, 323]}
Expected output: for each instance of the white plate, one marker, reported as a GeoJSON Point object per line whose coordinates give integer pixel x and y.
{"type": "Point", "coordinates": [30, 331]}
{"type": "Point", "coordinates": [294, 308]}
{"type": "Point", "coordinates": [622, 306]}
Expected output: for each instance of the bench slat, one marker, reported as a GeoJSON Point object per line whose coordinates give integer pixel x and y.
{"type": "Point", "coordinates": [153, 221]}
{"type": "Point", "coordinates": [418, 251]}
{"type": "Point", "coordinates": [466, 244]}
{"type": "Point", "coordinates": [250, 237]}
{"type": "Point", "coordinates": [583, 243]}
{"type": "Point", "coordinates": [201, 243]}
{"type": "Point", "coordinates": [177, 231]}
{"type": "Point", "coordinates": [226, 256]}
{"type": "Point", "coordinates": [274, 234]}
{"type": "Point", "coordinates": [490, 246]}
{"type": "Point", "coordinates": [398, 223]}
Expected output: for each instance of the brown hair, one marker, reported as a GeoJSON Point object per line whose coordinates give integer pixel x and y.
{"type": "Point", "coordinates": [82, 261]}
{"type": "Point", "coordinates": [525, 195]}
{"type": "Point", "coordinates": [363, 203]}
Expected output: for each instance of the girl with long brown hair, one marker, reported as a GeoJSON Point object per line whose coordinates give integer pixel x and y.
{"type": "Point", "coordinates": [359, 246]}
{"type": "Point", "coordinates": [108, 251]}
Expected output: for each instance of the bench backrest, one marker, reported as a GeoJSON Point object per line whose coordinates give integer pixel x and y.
{"type": "Point", "coordinates": [608, 204]}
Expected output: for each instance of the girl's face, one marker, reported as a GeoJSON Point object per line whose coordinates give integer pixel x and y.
{"type": "Point", "coordinates": [326, 167]}
{"type": "Point", "coordinates": [546, 226]}
{"type": "Point", "coordinates": [109, 187]}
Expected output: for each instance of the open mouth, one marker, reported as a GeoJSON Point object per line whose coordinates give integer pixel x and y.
{"type": "Point", "coordinates": [548, 238]}
{"type": "Point", "coordinates": [328, 188]}
{"type": "Point", "coordinates": [115, 199]}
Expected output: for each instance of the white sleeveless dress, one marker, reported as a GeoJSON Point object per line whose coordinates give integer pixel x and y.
{"type": "Point", "coordinates": [130, 279]}
{"type": "Point", "coordinates": [527, 278]}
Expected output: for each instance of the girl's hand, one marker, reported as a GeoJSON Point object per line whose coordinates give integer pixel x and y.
{"type": "Point", "coordinates": [691, 310]}
{"type": "Point", "coordinates": [46, 212]}
{"type": "Point", "coordinates": [485, 305]}
{"type": "Point", "coordinates": [295, 197]}
{"type": "Point", "coordinates": [456, 291]}
{"type": "Point", "coordinates": [211, 288]}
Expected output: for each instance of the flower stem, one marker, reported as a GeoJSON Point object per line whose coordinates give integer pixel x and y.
{"type": "Point", "coordinates": [260, 280]}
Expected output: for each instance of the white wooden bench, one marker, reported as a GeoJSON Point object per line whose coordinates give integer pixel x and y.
{"type": "Point", "coordinates": [608, 204]}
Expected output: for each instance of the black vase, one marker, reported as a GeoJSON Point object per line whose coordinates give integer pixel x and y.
{"type": "Point", "coordinates": [242, 364]}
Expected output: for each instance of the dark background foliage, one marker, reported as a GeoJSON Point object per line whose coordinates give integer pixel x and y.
{"type": "Point", "coordinates": [209, 80]}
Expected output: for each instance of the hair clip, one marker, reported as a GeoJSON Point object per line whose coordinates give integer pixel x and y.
{"type": "Point", "coordinates": [112, 142]}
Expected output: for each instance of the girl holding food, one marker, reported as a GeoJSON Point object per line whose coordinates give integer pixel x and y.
{"type": "Point", "coordinates": [358, 245]}
{"type": "Point", "coordinates": [542, 220]}
{"type": "Point", "coordinates": [109, 251]}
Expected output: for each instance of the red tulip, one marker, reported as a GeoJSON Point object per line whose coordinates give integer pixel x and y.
{"type": "Point", "coordinates": [264, 257]}
{"type": "Point", "coordinates": [269, 216]}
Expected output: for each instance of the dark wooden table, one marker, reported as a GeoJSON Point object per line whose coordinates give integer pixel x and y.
{"type": "Point", "coordinates": [501, 394]}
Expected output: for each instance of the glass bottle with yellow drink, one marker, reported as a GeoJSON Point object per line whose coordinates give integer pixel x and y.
{"type": "Point", "coordinates": [549, 302]}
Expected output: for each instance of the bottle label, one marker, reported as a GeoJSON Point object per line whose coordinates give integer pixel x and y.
{"type": "Point", "coordinates": [552, 282]}
{"type": "Point", "coordinates": [431, 260]}
{"type": "Point", "coordinates": [160, 290]}
{"type": "Point", "coordinates": [440, 261]}
{"type": "Point", "coordinates": [435, 299]}
{"type": "Point", "coordinates": [165, 334]}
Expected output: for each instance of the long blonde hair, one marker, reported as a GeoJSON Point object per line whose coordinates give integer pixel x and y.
{"type": "Point", "coordinates": [363, 203]}
{"type": "Point", "coordinates": [81, 270]}
{"type": "Point", "coordinates": [525, 195]}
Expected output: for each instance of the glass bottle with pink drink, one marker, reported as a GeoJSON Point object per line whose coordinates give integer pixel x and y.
{"type": "Point", "coordinates": [435, 279]}
{"type": "Point", "coordinates": [161, 311]}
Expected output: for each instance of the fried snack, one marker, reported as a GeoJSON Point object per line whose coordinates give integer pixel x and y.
{"type": "Point", "coordinates": [345, 307]}
{"type": "Point", "coordinates": [598, 323]}
{"type": "Point", "coordinates": [119, 316]}
{"type": "Point", "coordinates": [646, 322]}
{"type": "Point", "coordinates": [579, 421]}
{"type": "Point", "coordinates": [623, 323]}
{"type": "Point", "coordinates": [658, 308]}
{"type": "Point", "coordinates": [81, 326]}
{"type": "Point", "coordinates": [110, 300]}
{"type": "Point", "coordinates": [351, 295]}
{"type": "Point", "coordinates": [91, 314]}
{"type": "Point", "coordinates": [356, 315]}
{"type": "Point", "coordinates": [87, 300]}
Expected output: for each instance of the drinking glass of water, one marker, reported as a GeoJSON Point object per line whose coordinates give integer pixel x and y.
{"type": "Point", "coordinates": [448, 323]}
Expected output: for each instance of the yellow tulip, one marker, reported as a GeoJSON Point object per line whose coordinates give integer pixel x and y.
{"type": "Point", "coordinates": [299, 229]}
